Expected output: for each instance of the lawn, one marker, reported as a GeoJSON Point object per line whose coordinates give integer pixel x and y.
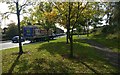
{"type": "Point", "coordinates": [53, 57]}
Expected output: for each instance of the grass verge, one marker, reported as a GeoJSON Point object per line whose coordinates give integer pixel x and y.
{"type": "Point", "coordinates": [113, 44]}
{"type": "Point", "coordinates": [53, 58]}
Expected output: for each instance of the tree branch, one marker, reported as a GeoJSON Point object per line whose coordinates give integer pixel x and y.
{"type": "Point", "coordinates": [22, 6]}
{"type": "Point", "coordinates": [58, 8]}
{"type": "Point", "coordinates": [78, 15]}
{"type": "Point", "coordinates": [84, 7]}
{"type": "Point", "coordinates": [25, 4]}
{"type": "Point", "coordinates": [9, 13]}
{"type": "Point", "coordinates": [79, 9]}
{"type": "Point", "coordinates": [14, 2]}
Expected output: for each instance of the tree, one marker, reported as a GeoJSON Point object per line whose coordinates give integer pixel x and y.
{"type": "Point", "coordinates": [112, 20]}
{"type": "Point", "coordinates": [45, 16]}
{"type": "Point", "coordinates": [115, 17]}
{"type": "Point", "coordinates": [77, 14]}
{"type": "Point", "coordinates": [0, 33]}
{"type": "Point", "coordinates": [11, 31]}
{"type": "Point", "coordinates": [69, 16]}
{"type": "Point", "coordinates": [74, 21]}
{"type": "Point", "coordinates": [79, 29]}
{"type": "Point", "coordinates": [15, 8]}
{"type": "Point", "coordinates": [62, 18]}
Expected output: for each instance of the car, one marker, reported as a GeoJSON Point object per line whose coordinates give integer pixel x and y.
{"type": "Point", "coordinates": [15, 39]}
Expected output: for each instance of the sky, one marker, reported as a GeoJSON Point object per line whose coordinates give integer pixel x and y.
{"type": "Point", "coordinates": [4, 22]}
{"type": "Point", "coordinates": [12, 17]}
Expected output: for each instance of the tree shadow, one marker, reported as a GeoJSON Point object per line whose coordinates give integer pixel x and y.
{"type": "Point", "coordinates": [82, 52]}
{"type": "Point", "coordinates": [105, 38]}
{"type": "Point", "coordinates": [105, 52]}
{"type": "Point", "coordinates": [49, 66]}
{"type": "Point", "coordinates": [85, 55]}
{"type": "Point", "coordinates": [55, 47]}
{"type": "Point", "coordinates": [14, 64]}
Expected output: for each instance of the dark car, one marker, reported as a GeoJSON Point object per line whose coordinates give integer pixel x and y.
{"type": "Point", "coordinates": [15, 39]}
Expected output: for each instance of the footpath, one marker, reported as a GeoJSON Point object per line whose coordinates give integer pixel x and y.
{"type": "Point", "coordinates": [112, 57]}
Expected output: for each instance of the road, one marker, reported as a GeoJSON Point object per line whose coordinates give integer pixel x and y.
{"type": "Point", "coordinates": [9, 44]}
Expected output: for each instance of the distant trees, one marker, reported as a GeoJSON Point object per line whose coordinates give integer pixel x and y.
{"type": "Point", "coordinates": [11, 31]}
{"type": "Point", "coordinates": [0, 33]}
{"type": "Point", "coordinates": [112, 11]}
{"type": "Point", "coordinates": [48, 17]}
{"type": "Point", "coordinates": [116, 17]}
{"type": "Point", "coordinates": [79, 29]}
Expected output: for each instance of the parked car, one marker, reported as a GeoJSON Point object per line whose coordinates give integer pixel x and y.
{"type": "Point", "coordinates": [15, 39]}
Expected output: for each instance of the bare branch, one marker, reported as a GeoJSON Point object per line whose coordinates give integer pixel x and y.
{"type": "Point", "coordinates": [26, 4]}
{"type": "Point", "coordinates": [14, 2]}
{"type": "Point", "coordinates": [22, 6]}
{"type": "Point", "coordinates": [25, 13]}
{"type": "Point", "coordinates": [9, 13]}
{"type": "Point", "coordinates": [6, 14]}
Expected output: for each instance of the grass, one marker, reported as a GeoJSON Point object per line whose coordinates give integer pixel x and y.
{"type": "Point", "coordinates": [53, 58]}
{"type": "Point", "coordinates": [112, 43]}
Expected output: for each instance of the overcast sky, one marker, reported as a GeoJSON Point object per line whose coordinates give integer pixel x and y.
{"type": "Point", "coordinates": [3, 9]}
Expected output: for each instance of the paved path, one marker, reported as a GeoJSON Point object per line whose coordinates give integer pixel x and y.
{"type": "Point", "coordinates": [112, 57]}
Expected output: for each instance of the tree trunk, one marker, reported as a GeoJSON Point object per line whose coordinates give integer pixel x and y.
{"type": "Point", "coordinates": [67, 36]}
{"type": "Point", "coordinates": [87, 31]}
{"type": "Point", "coordinates": [67, 40]}
{"type": "Point", "coordinates": [84, 31]}
{"type": "Point", "coordinates": [71, 45]}
{"type": "Point", "coordinates": [70, 35]}
{"type": "Point", "coordinates": [48, 35]}
{"type": "Point", "coordinates": [18, 17]}
{"type": "Point", "coordinates": [78, 34]}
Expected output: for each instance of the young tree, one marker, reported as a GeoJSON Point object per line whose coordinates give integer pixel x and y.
{"type": "Point", "coordinates": [62, 18]}
{"type": "Point", "coordinates": [16, 8]}
{"type": "Point", "coordinates": [70, 13]}
{"type": "Point", "coordinates": [69, 17]}
{"type": "Point", "coordinates": [73, 20]}
{"type": "Point", "coordinates": [45, 15]}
